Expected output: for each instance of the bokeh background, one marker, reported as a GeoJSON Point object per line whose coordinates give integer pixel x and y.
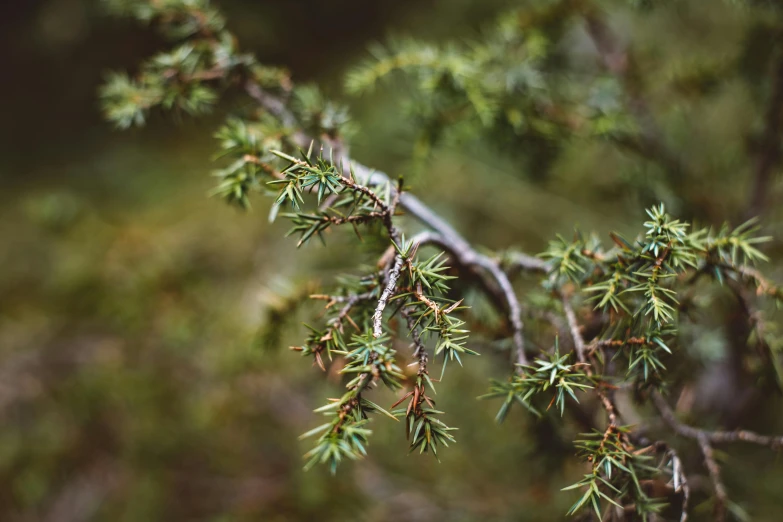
{"type": "Point", "coordinates": [142, 376]}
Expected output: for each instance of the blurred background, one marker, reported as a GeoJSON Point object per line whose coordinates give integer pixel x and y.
{"type": "Point", "coordinates": [142, 375]}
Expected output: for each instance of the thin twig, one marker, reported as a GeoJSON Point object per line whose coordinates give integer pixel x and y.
{"type": "Point", "coordinates": [346, 310]}
{"type": "Point", "coordinates": [721, 497]}
{"type": "Point", "coordinates": [356, 218]}
{"type": "Point", "coordinates": [366, 191]}
{"type": "Point", "coordinates": [388, 292]}
{"type": "Point", "coordinates": [706, 439]}
{"type": "Point", "coordinates": [715, 437]}
{"type": "Point", "coordinates": [518, 261]}
{"type": "Point", "coordinates": [419, 351]}
{"type": "Point", "coordinates": [680, 482]}
{"type": "Point", "coordinates": [579, 343]}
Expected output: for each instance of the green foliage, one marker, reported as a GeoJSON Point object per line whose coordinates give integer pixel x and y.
{"type": "Point", "coordinates": [617, 472]}
{"type": "Point", "coordinates": [495, 83]}
{"type": "Point", "coordinates": [549, 372]}
{"type": "Point", "coordinates": [177, 80]}
{"type": "Point", "coordinates": [319, 115]}
{"type": "Point", "coordinates": [637, 282]}
{"type": "Point", "coordinates": [184, 18]}
{"type": "Point", "coordinates": [425, 431]}
{"type": "Point", "coordinates": [345, 436]}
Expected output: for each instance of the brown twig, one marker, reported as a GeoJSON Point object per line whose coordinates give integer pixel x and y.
{"type": "Point", "coordinates": [271, 172]}
{"type": "Point", "coordinates": [369, 193]}
{"type": "Point", "coordinates": [579, 344]}
{"type": "Point", "coordinates": [336, 323]}
{"type": "Point", "coordinates": [352, 300]}
{"type": "Point", "coordinates": [706, 439]}
{"type": "Point", "coordinates": [721, 497]}
{"type": "Point", "coordinates": [714, 437]}
{"type": "Point", "coordinates": [762, 285]}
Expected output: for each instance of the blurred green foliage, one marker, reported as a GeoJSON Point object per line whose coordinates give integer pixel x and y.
{"type": "Point", "coordinates": [141, 376]}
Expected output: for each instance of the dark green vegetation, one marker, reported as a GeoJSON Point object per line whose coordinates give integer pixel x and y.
{"type": "Point", "coordinates": [629, 368]}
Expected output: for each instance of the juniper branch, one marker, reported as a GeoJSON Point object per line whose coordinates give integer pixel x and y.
{"type": "Point", "coordinates": [634, 285]}
{"type": "Point", "coordinates": [496, 282]}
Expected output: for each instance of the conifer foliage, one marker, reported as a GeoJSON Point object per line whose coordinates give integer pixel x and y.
{"type": "Point", "coordinates": [613, 314]}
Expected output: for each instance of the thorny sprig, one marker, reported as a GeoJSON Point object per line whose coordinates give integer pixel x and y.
{"type": "Point", "coordinates": [550, 372]}
{"type": "Point", "coordinates": [356, 204]}
{"type": "Point", "coordinates": [424, 429]}
{"type": "Point", "coordinates": [370, 360]}
{"type": "Point", "coordinates": [306, 175]}
{"type": "Point", "coordinates": [617, 473]}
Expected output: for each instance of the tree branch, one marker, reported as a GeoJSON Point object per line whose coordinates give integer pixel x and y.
{"type": "Point", "coordinates": [715, 437]}
{"type": "Point", "coordinates": [518, 261]}
{"type": "Point", "coordinates": [721, 497]}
